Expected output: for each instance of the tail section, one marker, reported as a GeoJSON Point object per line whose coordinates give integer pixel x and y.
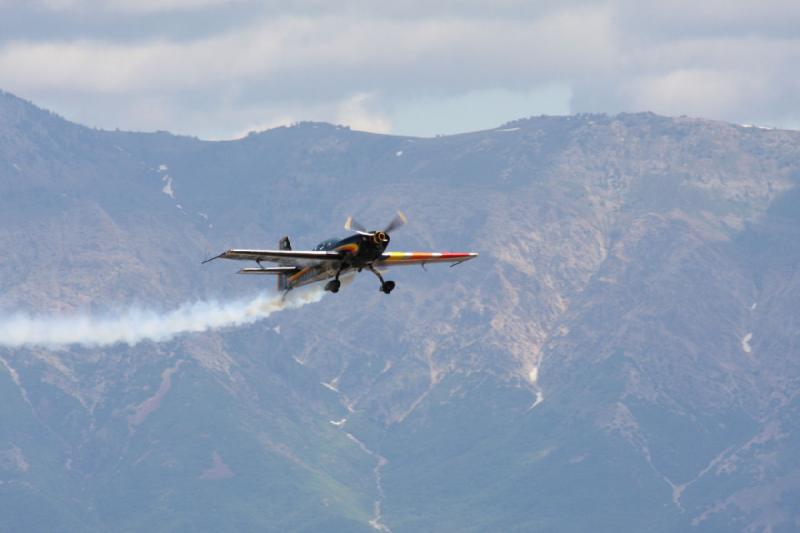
{"type": "Point", "coordinates": [283, 283]}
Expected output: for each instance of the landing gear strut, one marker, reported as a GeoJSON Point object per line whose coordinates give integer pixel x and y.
{"type": "Point", "coordinates": [386, 286]}
{"type": "Point", "coordinates": [334, 284]}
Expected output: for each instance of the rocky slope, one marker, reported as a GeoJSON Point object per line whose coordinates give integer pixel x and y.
{"type": "Point", "coordinates": [623, 355]}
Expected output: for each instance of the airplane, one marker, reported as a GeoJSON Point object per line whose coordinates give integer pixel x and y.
{"type": "Point", "coordinates": [334, 257]}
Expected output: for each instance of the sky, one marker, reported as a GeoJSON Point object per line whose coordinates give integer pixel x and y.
{"type": "Point", "coordinates": [218, 69]}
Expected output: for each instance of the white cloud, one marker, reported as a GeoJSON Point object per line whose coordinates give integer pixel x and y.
{"type": "Point", "coordinates": [346, 53]}
{"type": "Point", "coordinates": [749, 79]}
{"type": "Point", "coordinates": [131, 6]}
{"type": "Point", "coordinates": [160, 66]}
{"type": "Point", "coordinates": [355, 112]}
{"type": "Point", "coordinates": [164, 5]}
{"type": "Point", "coordinates": [693, 91]}
{"type": "Point", "coordinates": [358, 62]}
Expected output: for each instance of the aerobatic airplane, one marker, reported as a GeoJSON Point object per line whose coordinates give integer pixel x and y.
{"type": "Point", "coordinates": [334, 257]}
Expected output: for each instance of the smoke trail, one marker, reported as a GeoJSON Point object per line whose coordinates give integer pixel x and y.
{"type": "Point", "coordinates": [137, 325]}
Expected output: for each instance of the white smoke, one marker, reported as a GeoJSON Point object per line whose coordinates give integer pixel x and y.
{"type": "Point", "coordinates": [137, 325]}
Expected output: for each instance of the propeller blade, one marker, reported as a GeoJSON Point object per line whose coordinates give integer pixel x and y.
{"type": "Point", "coordinates": [352, 225]}
{"type": "Point", "coordinates": [398, 220]}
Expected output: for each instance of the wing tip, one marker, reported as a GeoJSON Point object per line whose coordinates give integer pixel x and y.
{"type": "Point", "coordinates": [219, 256]}
{"type": "Point", "coordinates": [211, 259]}
{"type": "Point", "coordinates": [469, 255]}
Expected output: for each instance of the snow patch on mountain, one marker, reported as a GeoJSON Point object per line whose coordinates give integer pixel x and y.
{"type": "Point", "coordinates": [746, 343]}
{"type": "Point", "coordinates": [217, 470]}
{"type": "Point", "coordinates": [13, 459]}
{"type": "Point", "coordinates": [376, 521]}
{"type": "Point", "coordinates": [167, 189]}
{"type": "Point", "coordinates": [330, 386]}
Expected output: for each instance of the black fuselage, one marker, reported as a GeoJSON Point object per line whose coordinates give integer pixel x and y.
{"type": "Point", "coordinates": [359, 251]}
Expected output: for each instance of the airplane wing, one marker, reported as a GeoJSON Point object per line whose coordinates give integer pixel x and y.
{"type": "Point", "coordinates": [286, 257]}
{"type": "Point", "coordinates": [417, 258]}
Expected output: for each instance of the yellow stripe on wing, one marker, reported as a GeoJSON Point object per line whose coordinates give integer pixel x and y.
{"type": "Point", "coordinates": [426, 257]}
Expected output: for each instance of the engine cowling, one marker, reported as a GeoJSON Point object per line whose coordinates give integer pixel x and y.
{"type": "Point", "coordinates": [380, 238]}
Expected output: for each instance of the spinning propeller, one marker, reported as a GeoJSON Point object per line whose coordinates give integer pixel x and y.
{"type": "Point", "coordinates": [398, 220]}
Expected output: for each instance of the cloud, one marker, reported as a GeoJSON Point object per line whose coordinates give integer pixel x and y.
{"type": "Point", "coordinates": [679, 20]}
{"type": "Point", "coordinates": [348, 54]}
{"type": "Point", "coordinates": [358, 62]}
{"type": "Point", "coordinates": [746, 80]}
{"type": "Point", "coordinates": [355, 112]}
{"type": "Point", "coordinates": [694, 91]}
{"type": "Point", "coordinates": [129, 6]}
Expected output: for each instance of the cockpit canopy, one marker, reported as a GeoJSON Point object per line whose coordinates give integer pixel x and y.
{"type": "Point", "coordinates": [327, 244]}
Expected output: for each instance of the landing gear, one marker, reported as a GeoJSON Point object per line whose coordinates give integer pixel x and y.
{"type": "Point", "coordinates": [334, 284]}
{"type": "Point", "coordinates": [386, 286]}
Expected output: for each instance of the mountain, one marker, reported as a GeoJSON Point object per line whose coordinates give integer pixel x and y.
{"type": "Point", "coordinates": [622, 356]}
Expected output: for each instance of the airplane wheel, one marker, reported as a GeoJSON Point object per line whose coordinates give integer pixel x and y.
{"type": "Point", "coordinates": [387, 287]}
{"type": "Point", "coordinates": [333, 285]}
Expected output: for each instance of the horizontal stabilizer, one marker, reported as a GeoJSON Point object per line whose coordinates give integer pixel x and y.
{"type": "Point", "coordinates": [269, 270]}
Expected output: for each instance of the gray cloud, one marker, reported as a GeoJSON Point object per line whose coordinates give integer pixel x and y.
{"type": "Point", "coordinates": [218, 67]}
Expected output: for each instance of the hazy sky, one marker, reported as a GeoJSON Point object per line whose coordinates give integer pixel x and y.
{"type": "Point", "coordinates": [220, 68]}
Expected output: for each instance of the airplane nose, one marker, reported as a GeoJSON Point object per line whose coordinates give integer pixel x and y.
{"type": "Point", "coordinates": [380, 238]}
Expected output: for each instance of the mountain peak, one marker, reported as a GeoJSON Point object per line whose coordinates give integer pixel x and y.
{"type": "Point", "coordinates": [16, 112]}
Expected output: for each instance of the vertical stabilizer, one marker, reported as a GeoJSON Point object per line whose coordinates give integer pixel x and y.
{"type": "Point", "coordinates": [283, 283]}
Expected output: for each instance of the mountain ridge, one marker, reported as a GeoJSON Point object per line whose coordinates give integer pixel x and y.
{"type": "Point", "coordinates": [592, 358]}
